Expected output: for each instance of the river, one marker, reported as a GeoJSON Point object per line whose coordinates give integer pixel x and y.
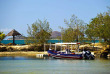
{"type": "Point", "coordinates": [32, 65]}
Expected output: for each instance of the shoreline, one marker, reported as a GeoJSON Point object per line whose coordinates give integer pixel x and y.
{"type": "Point", "coordinates": [29, 50]}
{"type": "Point", "coordinates": [21, 53]}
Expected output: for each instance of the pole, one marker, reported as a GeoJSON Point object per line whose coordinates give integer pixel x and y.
{"type": "Point", "coordinates": [44, 47]}
{"type": "Point", "coordinates": [61, 47]}
{"type": "Point", "coordinates": [55, 46]}
{"type": "Point", "coordinates": [78, 47]}
{"type": "Point", "coordinates": [50, 45]}
{"type": "Point", "coordinates": [13, 39]}
{"type": "Point", "coordinates": [61, 39]}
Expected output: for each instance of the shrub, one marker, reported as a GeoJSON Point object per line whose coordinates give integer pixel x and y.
{"type": "Point", "coordinates": [1, 44]}
{"type": "Point", "coordinates": [30, 48]}
{"type": "Point", "coordinates": [3, 49]}
{"type": "Point", "coordinates": [9, 44]}
{"type": "Point", "coordinates": [9, 49]}
{"type": "Point", "coordinates": [38, 48]}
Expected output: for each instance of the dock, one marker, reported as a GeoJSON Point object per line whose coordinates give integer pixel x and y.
{"type": "Point", "coordinates": [45, 54]}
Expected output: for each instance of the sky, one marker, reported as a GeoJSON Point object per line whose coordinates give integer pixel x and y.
{"type": "Point", "coordinates": [16, 14]}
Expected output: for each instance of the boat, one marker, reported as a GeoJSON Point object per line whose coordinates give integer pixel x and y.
{"type": "Point", "coordinates": [68, 53]}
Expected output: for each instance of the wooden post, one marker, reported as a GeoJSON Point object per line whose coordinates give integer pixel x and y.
{"type": "Point", "coordinates": [44, 47]}
{"type": "Point", "coordinates": [13, 39]}
{"type": "Point", "coordinates": [78, 48]}
{"type": "Point", "coordinates": [55, 46]}
{"type": "Point", "coordinates": [50, 45]}
{"type": "Point", "coordinates": [61, 47]}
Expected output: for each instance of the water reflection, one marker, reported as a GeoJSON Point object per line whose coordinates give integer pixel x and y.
{"type": "Point", "coordinates": [47, 65]}
{"type": "Point", "coordinates": [43, 58]}
{"type": "Point", "coordinates": [17, 58]}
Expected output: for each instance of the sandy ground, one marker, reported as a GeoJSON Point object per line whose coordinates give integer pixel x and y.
{"type": "Point", "coordinates": [21, 53]}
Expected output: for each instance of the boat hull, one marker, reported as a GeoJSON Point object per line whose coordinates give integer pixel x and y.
{"type": "Point", "coordinates": [56, 54]}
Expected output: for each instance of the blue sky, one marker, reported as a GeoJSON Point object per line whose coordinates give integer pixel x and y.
{"type": "Point", "coordinates": [16, 14]}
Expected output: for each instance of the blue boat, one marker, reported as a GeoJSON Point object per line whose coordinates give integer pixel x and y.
{"type": "Point", "coordinates": [68, 54]}
{"type": "Point", "coordinates": [57, 54]}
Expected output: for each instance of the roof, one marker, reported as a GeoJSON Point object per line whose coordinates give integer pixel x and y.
{"type": "Point", "coordinates": [13, 33]}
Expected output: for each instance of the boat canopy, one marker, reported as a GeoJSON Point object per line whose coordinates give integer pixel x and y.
{"type": "Point", "coordinates": [66, 43]}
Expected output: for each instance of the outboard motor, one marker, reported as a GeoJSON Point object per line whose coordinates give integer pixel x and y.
{"type": "Point", "coordinates": [88, 55]}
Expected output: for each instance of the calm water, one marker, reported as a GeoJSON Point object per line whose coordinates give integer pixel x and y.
{"type": "Point", "coordinates": [32, 65]}
{"type": "Point", "coordinates": [49, 41]}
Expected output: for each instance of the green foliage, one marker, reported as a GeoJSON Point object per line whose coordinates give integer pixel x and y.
{"type": "Point", "coordinates": [74, 31]}
{"type": "Point", "coordinates": [68, 35]}
{"type": "Point", "coordinates": [2, 36]}
{"type": "Point", "coordinates": [39, 32]}
{"type": "Point", "coordinates": [105, 28]}
{"type": "Point", "coordinates": [99, 28]}
{"type": "Point", "coordinates": [91, 30]}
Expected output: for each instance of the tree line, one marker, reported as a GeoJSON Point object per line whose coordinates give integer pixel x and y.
{"type": "Point", "coordinates": [77, 30]}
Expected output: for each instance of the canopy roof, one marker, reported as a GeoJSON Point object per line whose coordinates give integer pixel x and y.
{"type": "Point", "coordinates": [67, 43]}
{"type": "Point", "coordinates": [13, 33]}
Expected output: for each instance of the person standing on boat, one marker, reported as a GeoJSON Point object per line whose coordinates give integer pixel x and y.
{"type": "Point", "coordinates": [67, 51]}
{"type": "Point", "coordinates": [50, 49]}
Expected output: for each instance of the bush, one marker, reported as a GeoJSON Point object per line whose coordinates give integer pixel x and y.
{"type": "Point", "coordinates": [24, 49]}
{"type": "Point", "coordinates": [9, 49]}
{"type": "Point", "coordinates": [9, 44]}
{"type": "Point", "coordinates": [1, 44]}
{"type": "Point", "coordinates": [31, 48]}
{"type": "Point", "coordinates": [3, 49]}
{"type": "Point", "coordinates": [39, 48]}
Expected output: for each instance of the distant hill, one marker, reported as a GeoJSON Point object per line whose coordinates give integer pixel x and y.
{"type": "Point", "coordinates": [55, 34]}
{"type": "Point", "coordinates": [17, 38]}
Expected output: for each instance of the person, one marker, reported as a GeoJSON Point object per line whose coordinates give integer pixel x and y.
{"type": "Point", "coordinates": [50, 49]}
{"type": "Point", "coordinates": [67, 51]}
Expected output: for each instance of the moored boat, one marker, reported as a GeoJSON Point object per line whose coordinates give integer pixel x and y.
{"type": "Point", "coordinates": [69, 54]}
{"type": "Point", "coordinates": [56, 54]}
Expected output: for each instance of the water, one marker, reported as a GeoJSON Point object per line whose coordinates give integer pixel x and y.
{"type": "Point", "coordinates": [32, 65]}
{"type": "Point", "coordinates": [49, 41]}
{"type": "Point", "coordinates": [23, 41]}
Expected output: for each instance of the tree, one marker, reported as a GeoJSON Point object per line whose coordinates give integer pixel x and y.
{"type": "Point", "coordinates": [74, 30]}
{"type": "Point", "coordinates": [105, 28]}
{"type": "Point", "coordinates": [92, 30]}
{"type": "Point", "coordinates": [99, 28]}
{"type": "Point", "coordinates": [104, 20]}
{"type": "Point", "coordinates": [68, 35]}
{"type": "Point", "coordinates": [91, 33]}
{"type": "Point", "coordinates": [39, 32]}
{"type": "Point", "coordinates": [2, 36]}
